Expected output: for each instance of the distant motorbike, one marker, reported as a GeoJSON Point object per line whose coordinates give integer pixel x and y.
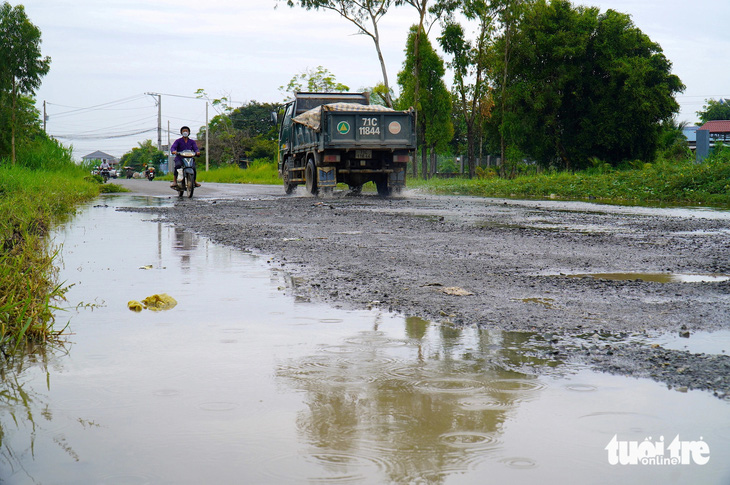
{"type": "Point", "coordinates": [105, 174]}
{"type": "Point", "coordinates": [186, 174]}
{"type": "Point", "coordinates": [150, 173]}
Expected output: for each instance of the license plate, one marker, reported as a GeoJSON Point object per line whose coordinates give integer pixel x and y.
{"type": "Point", "coordinates": [363, 154]}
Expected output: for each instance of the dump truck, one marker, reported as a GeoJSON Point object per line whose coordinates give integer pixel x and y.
{"type": "Point", "coordinates": [331, 138]}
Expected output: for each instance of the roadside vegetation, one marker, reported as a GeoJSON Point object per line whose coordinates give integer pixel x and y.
{"type": "Point", "coordinates": [670, 183]}
{"type": "Point", "coordinates": [261, 171]}
{"type": "Point", "coordinates": [40, 190]}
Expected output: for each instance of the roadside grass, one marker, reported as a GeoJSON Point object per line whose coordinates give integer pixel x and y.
{"type": "Point", "coordinates": [112, 188]}
{"type": "Point", "coordinates": [260, 171]}
{"type": "Point", "coordinates": [682, 183]}
{"type": "Point", "coordinates": [42, 189]}
{"type": "Point", "coordinates": [670, 183]}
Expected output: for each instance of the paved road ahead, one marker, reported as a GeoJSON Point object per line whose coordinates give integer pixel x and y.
{"type": "Point", "coordinates": [161, 188]}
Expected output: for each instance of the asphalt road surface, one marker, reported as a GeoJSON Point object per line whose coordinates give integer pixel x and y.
{"type": "Point", "coordinates": [592, 279]}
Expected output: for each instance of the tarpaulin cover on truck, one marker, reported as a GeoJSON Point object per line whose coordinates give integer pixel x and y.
{"type": "Point", "coordinates": [313, 117]}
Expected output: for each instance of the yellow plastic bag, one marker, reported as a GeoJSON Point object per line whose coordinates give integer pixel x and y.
{"type": "Point", "coordinates": [134, 305]}
{"type": "Point", "coordinates": [159, 302]}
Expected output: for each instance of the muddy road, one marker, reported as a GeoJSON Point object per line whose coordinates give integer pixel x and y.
{"type": "Point", "coordinates": [597, 282]}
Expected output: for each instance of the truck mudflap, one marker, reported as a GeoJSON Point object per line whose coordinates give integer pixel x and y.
{"type": "Point", "coordinates": [327, 176]}
{"type": "Point", "coordinates": [397, 178]}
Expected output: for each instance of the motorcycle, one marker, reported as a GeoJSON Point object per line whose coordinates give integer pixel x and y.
{"type": "Point", "coordinates": [105, 174]}
{"type": "Point", "coordinates": [150, 173]}
{"type": "Point", "coordinates": [186, 174]}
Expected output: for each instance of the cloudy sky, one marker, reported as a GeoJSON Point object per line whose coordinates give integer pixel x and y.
{"type": "Point", "coordinates": [107, 55]}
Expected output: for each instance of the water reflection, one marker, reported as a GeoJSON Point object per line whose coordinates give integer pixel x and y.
{"type": "Point", "coordinates": [185, 243]}
{"type": "Point", "coordinates": [241, 383]}
{"type": "Point", "coordinates": [417, 408]}
{"type": "Point", "coordinates": [25, 412]}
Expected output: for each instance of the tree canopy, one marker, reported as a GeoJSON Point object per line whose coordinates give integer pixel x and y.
{"type": "Point", "coordinates": [365, 15]}
{"type": "Point", "coordinates": [21, 64]}
{"type": "Point", "coordinates": [714, 110]}
{"type": "Point", "coordinates": [244, 132]}
{"type": "Point", "coordinates": [583, 84]}
{"type": "Point", "coordinates": [145, 153]}
{"type": "Point", "coordinates": [433, 103]}
{"type": "Point", "coordinates": [470, 63]}
{"type": "Point", "coordinates": [319, 80]}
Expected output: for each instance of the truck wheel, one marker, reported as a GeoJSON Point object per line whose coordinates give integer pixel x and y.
{"type": "Point", "coordinates": [286, 175]}
{"type": "Point", "coordinates": [310, 177]}
{"type": "Point", "coordinates": [382, 186]}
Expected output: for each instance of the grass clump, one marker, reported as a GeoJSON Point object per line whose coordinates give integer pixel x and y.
{"type": "Point", "coordinates": [672, 183]}
{"type": "Point", "coordinates": [41, 189]}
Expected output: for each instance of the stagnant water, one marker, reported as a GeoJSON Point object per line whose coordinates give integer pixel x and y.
{"type": "Point", "coordinates": [243, 383]}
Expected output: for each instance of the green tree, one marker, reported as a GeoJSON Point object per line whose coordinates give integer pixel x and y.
{"type": "Point", "coordinates": [21, 63]}
{"type": "Point", "coordinates": [509, 14]}
{"type": "Point", "coordinates": [586, 85]}
{"type": "Point", "coordinates": [470, 65]}
{"type": "Point", "coordinates": [424, 7]}
{"type": "Point", "coordinates": [319, 80]}
{"type": "Point", "coordinates": [714, 110]}
{"type": "Point", "coordinates": [27, 119]}
{"type": "Point", "coordinates": [147, 153]}
{"type": "Point", "coordinates": [433, 104]}
{"type": "Point", "coordinates": [244, 132]}
{"type": "Point", "coordinates": [364, 14]}
{"type": "Point", "coordinates": [254, 120]}
{"type": "Point", "coordinates": [378, 96]}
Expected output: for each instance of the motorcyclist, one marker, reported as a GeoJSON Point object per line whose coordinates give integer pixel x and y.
{"type": "Point", "coordinates": [182, 144]}
{"type": "Point", "coordinates": [105, 165]}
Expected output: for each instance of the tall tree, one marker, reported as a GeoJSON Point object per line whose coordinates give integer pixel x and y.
{"type": "Point", "coordinates": [435, 129]}
{"type": "Point", "coordinates": [319, 80]}
{"type": "Point", "coordinates": [423, 7]}
{"type": "Point", "coordinates": [470, 64]}
{"type": "Point", "coordinates": [714, 110]}
{"type": "Point", "coordinates": [364, 14]}
{"type": "Point", "coordinates": [509, 13]}
{"type": "Point", "coordinates": [146, 152]}
{"type": "Point", "coordinates": [21, 63]}
{"type": "Point", "coordinates": [584, 84]}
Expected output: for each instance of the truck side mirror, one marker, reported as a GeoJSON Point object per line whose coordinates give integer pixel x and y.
{"type": "Point", "coordinates": [274, 117]}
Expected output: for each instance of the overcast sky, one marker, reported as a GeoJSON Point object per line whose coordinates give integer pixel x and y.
{"type": "Point", "coordinates": [107, 55]}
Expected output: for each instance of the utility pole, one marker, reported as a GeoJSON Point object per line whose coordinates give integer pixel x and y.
{"type": "Point", "coordinates": [45, 117]}
{"type": "Point", "coordinates": [158, 102]}
{"type": "Point", "coordinates": [170, 162]}
{"type": "Point", "coordinates": [207, 129]}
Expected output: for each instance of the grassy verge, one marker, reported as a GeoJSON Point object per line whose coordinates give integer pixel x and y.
{"type": "Point", "coordinates": [260, 172]}
{"type": "Point", "coordinates": [679, 183]}
{"type": "Point", "coordinates": [35, 194]}
{"type": "Point", "coordinates": [672, 184]}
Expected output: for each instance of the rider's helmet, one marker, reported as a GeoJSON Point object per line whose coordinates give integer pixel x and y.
{"type": "Point", "coordinates": [184, 128]}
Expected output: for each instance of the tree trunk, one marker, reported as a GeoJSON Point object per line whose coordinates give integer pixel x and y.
{"type": "Point", "coordinates": [417, 73]}
{"type": "Point", "coordinates": [502, 144]}
{"type": "Point", "coordinates": [424, 162]}
{"type": "Point", "coordinates": [12, 123]}
{"type": "Point", "coordinates": [376, 39]}
{"type": "Point", "coordinates": [470, 153]}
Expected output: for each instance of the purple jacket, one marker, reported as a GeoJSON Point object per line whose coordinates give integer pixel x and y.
{"type": "Point", "coordinates": [180, 145]}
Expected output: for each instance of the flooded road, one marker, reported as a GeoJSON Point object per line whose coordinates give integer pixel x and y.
{"type": "Point", "coordinates": [245, 381]}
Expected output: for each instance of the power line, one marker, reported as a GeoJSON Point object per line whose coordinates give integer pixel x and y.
{"type": "Point", "coordinates": [98, 106]}
{"type": "Point", "coordinates": [79, 136]}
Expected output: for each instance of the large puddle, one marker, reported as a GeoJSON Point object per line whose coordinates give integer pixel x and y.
{"type": "Point", "coordinates": [242, 383]}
